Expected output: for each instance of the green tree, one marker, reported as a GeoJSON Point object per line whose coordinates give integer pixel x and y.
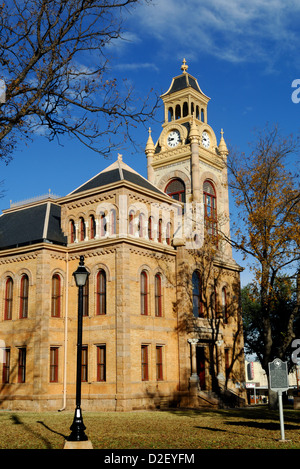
{"type": "Point", "coordinates": [267, 197]}
{"type": "Point", "coordinates": [284, 318]}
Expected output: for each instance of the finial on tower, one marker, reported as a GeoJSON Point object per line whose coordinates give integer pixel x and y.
{"type": "Point", "coordinates": [222, 145]}
{"type": "Point", "coordinates": [184, 67]}
{"type": "Point", "coordinates": [120, 157]}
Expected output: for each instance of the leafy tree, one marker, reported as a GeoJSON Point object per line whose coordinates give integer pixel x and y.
{"type": "Point", "coordinates": [54, 61]}
{"type": "Point", "coordinates": [284, 315]}
{"type": "Point", "coordinates": [267, 196]}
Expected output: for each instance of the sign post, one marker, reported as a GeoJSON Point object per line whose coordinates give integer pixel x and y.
{"type": "Point", "coordinates": [278, 376]}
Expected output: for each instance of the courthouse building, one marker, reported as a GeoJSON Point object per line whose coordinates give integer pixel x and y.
{"type": "Point", "coordinates": [161, 316]}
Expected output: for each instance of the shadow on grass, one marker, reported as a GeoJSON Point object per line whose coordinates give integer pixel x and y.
{"type": "Point", "coordinates": [17, 421]}
{"type": "Point", "coordinates": [264, 425]}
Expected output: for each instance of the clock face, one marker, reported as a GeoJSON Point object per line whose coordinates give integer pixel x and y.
{"type": "Point", "coordinates": [205, 140]}
{"type": "Point", "coordinates": [173, 138]}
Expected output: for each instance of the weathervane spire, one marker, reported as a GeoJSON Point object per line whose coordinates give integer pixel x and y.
{"type": "Point", "coordinates": [184, 67]}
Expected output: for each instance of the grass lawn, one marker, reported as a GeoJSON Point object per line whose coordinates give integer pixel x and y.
{"type": "Point", "coordinates": [248, 428]}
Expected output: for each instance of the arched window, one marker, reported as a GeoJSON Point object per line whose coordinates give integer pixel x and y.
{"type": "Point", "coordinates": [176, 190]}
{"type": "Point", "coordinates": [101, 292]}
{"type": "Point", "coordinates": [86, 288]}
{"type": "Point", "coordinates": [185, 109]}
{"type": "Point", "coordinates": [177, 112]}
{"type": "Point", "coordinates": [92, 227]}
{"type": "Point", "coordinates": [131, 222]}
{"type": "Point", "coordinates": [72, 231]}
{"type": "Point", "coordinates": [141, 225]}
{"type": "Point", "coordinates": [158, 295]}
{"type": "Point", "coordinates": [159, 231]}
{"type": "Point", "coordinates": [197, 295]}
{"type": "Point", "coordinates": [9, 286]}
{"type": "Point", "coordinates": [150, 228]}
{"type": "Point", "coordinates": [24, 290]}
{"type": "Point", "coordinates": [144, 293]}
{"type": "Point", "coordinates": [224, 305]}
{"type": "Point", "coordinates": [210, 208]}
{"type": "Point", "coordinates": [170, 114]}
{"type": "Point", "coordinates": [56, 296]}
{"type": "Point", "coordinates": [168, 233]}
{"type": "Point", "coordinates": [81, 229]}
{"type": "Point", "coordinates": [103, 227]}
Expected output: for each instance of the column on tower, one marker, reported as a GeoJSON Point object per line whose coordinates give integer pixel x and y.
{"type": "Point", "coordinates": [149, 150]}
{"type": "Point", "coordinates": [195, 142]}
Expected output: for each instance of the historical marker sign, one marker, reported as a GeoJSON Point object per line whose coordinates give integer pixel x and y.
{"type": "Point", "coordinates": [279, 381]}
{"type": "Point", "coordinates": [278, 375]}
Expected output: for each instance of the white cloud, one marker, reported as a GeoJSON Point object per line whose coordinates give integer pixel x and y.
{"type": "Point", "coordinates": [233, 30]}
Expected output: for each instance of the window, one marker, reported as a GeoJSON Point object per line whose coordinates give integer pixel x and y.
{"type": "Point", "coordinates": [144, 293]}
{"type": "Point", "coordinates": [150, 227]}
{"type": "Point", "coordinates": [72, 231]}
{"type": "Point", "coordinates": [53, 364]}
{"type": "Point", "coordinates": [144, 358]}
{"type": "Point", "coordinates": [56, 296]}
{"type": "Point", "coordinates": [224, 305]}
{"type": "Point", "coordinates": [6, 365]}
{"type": "Point", "coordinates": [85, 310]}
{"type": "Point", "coordinates": [82, 229]}
{"type": "Point", "coordinates": [141, 225]}
{"type": "Point", "coordinates": [168, 233]}
{"type": "Point", "coordinates": [84, 364]}
{"type": "Point", "coordinates": [22, 365]}
{"type": "Point", "coordinates": [158, 296]}
{"type": "Point", "coordinates": [103, 226]}
{"type": "Point", "coordinates": [159, 231]}
{"type": "Point", "coordinates": [210, 208]}
{"type": "Point", "coordinates": [197, 295]}
{"type": "Point", "coordinates": [101, 292]}
{"type": "Point", "coordinates": [8, 298]}
{"type": "Point", "coordinates": [227, 362]}
{"type": "Point", "coordinates": [159, 363]}
{"type": "Point", "coordinates": [24, 296]}
{"type": "Point", "coordinates": [101, 363]}
{"type": "Point", "coordinates": [185, 110]}
{"type": "Point", "coordinates": [92, 227]}
{"type": "Point", "coordinates": [176, 190]}
{"type": "Point", "coordinates": [213, 302]}
{"type": "Point", "coordinates": [131, 222]}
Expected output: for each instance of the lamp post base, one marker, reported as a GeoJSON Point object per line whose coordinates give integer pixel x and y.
{"type": "Point", "coordinates": [77, 427]}
{"type": "Point", "coordinates": [78, 445]}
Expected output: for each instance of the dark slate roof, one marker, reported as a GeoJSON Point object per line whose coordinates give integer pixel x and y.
{"type": "Point", "coordinates": [117, 172]}
{"type": "Point", "coordinates": [31, 225]}
{"type": "Point", "coordinates": [182, 82]}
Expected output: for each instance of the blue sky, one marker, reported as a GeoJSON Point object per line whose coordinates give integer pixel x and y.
{"type": "Point", "coordinates": [245, 56]}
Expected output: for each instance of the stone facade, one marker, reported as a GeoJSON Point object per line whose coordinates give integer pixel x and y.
{"type": "Point", "coordinates": [147, 342]}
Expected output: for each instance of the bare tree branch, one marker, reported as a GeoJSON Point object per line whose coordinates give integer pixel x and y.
{"type": "Point", "coordinates": [53, 56]}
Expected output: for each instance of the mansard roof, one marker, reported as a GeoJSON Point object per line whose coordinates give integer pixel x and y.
{"type": "Point", "coordinates": [117, 172]}
{"type": "Point", "coordinates": [31, 225]}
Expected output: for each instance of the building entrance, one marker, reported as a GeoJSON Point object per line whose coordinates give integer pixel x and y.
{"type": "Point", "coordinates": [200, 357]}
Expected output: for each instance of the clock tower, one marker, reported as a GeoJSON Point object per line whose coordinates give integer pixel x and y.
{"type": "Point", "coordinates": [187, 162]}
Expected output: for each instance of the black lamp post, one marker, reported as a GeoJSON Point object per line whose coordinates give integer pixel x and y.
{"type": "Point", "coordinates": [78, 427]}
